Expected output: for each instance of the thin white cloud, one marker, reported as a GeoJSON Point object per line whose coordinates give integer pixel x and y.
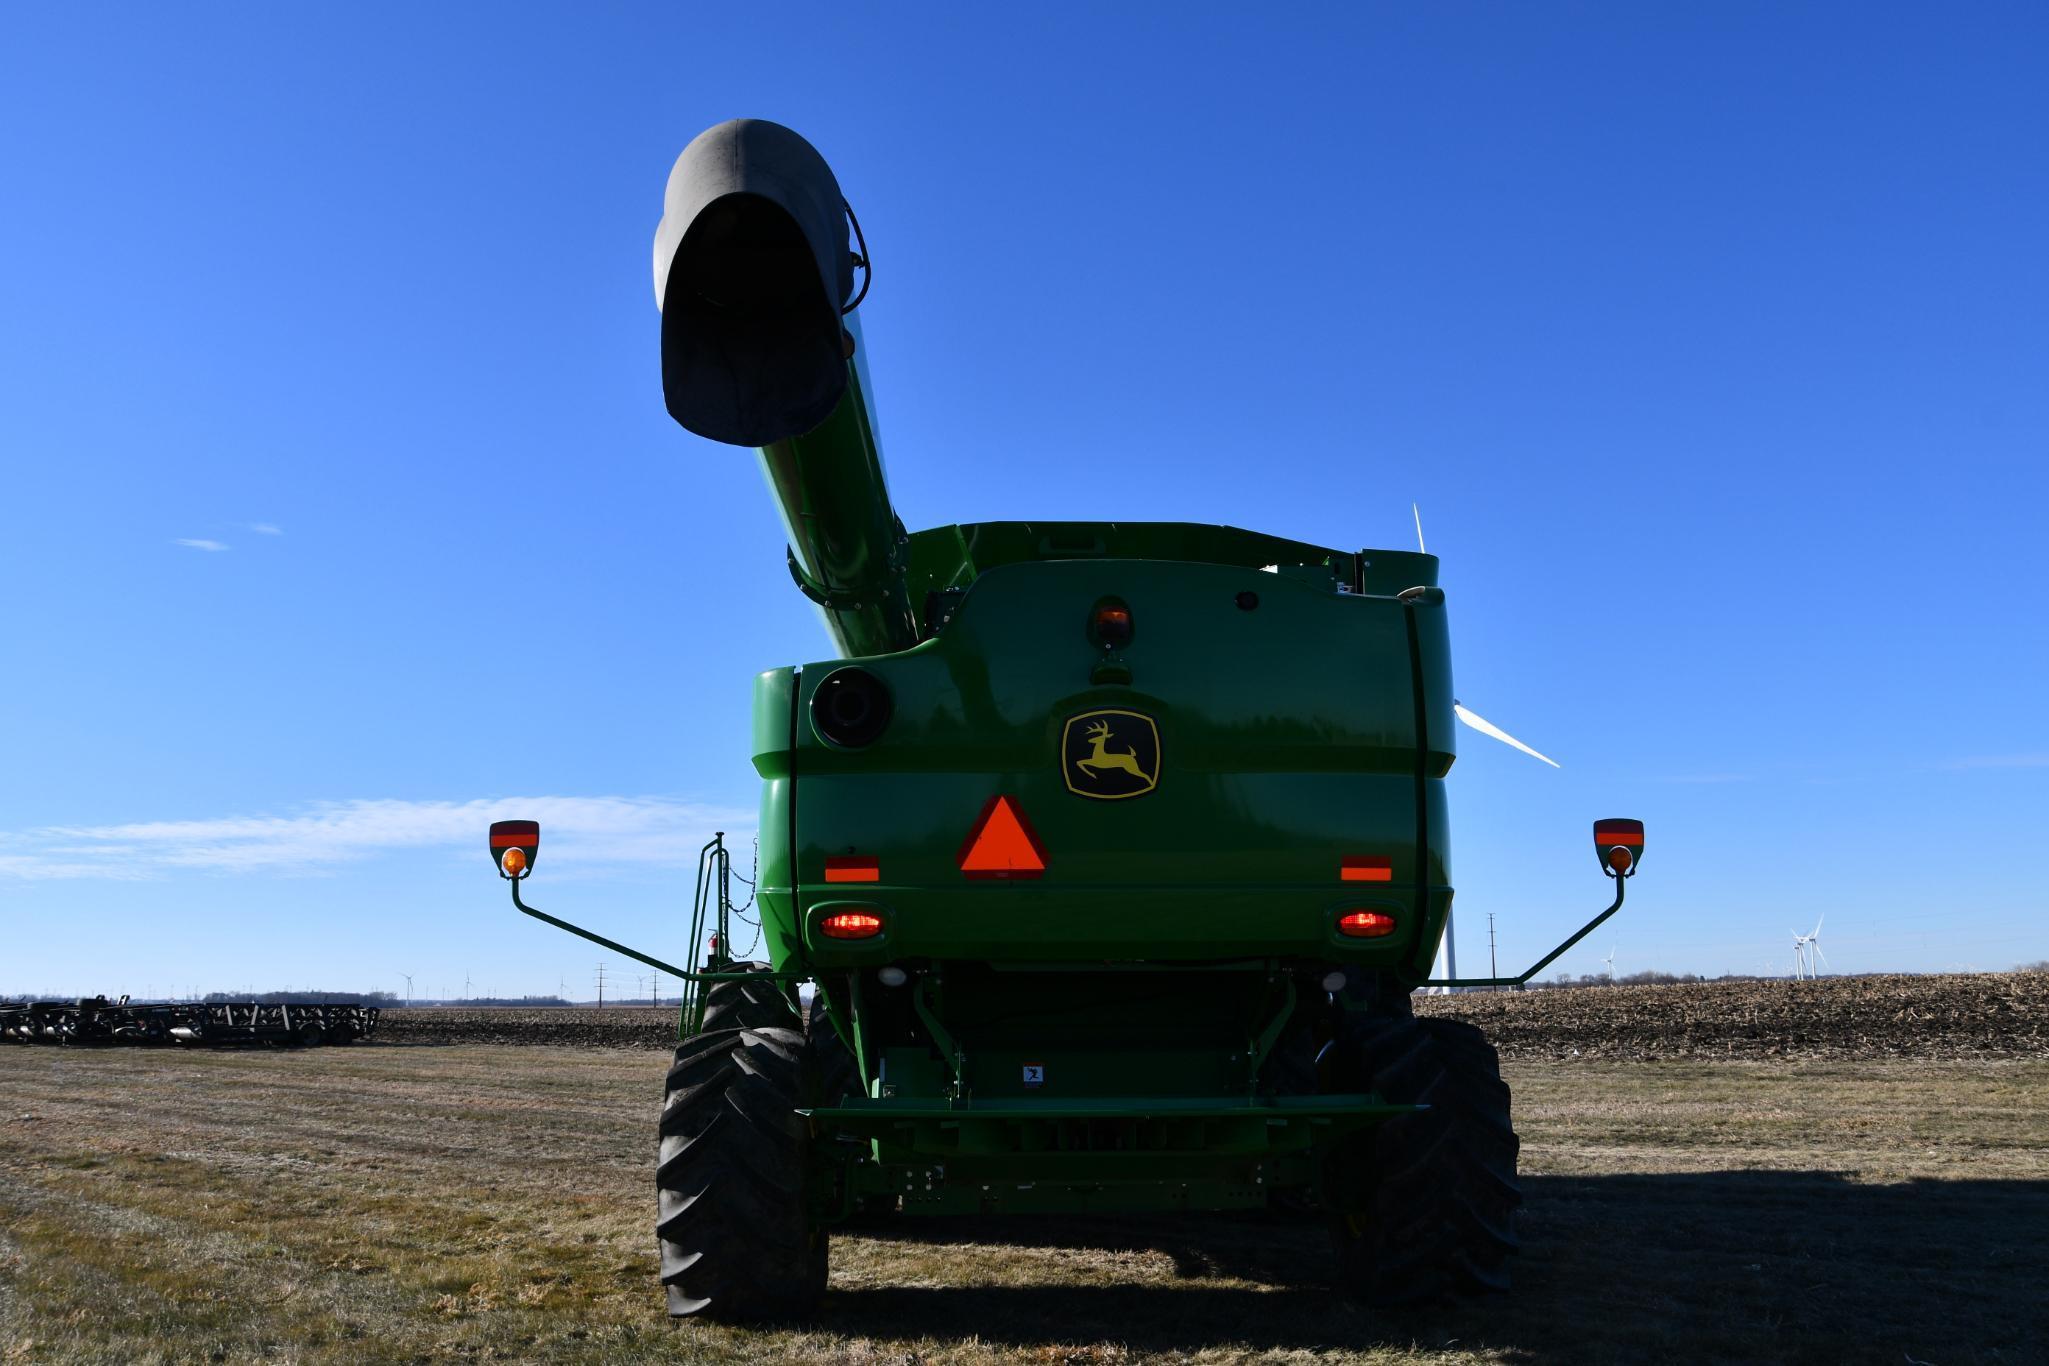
{"type": "Point", "coordinates": [266, 529]}
{"type": "Point", "coordinates": [2001, 761]}
{"type": "Point", "coordinates": [661, 832]}
{"type": "Point", "coordinates": [193, 544]}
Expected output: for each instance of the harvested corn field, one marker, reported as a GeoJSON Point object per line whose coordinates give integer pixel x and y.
{"type": "Point", "coordinates": [1981, 1015]}
{"type": "Point", "coordinates": [562, 1026]}
{"type": "Point", "coordinates": [1976, 1015]}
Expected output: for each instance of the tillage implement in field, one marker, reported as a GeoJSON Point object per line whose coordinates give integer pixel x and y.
{"type": "Point", "coordinates": [216, 1024]}
{"type": "Point", "coordinates": [1111, 851]}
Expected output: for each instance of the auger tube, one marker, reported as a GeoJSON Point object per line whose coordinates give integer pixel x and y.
{"type": "Point", "coordinates": [753, 272]}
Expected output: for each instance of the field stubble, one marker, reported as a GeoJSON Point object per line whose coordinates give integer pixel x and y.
{"type": "Point", "coordinates": [379, 1203]}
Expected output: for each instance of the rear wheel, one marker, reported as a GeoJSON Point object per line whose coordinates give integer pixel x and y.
{"type": "Point", "coordinates": [744, 1001]}
{"type": "Point", "coordinates": [736, 1236]}
{"type": "Point", "coordinates": [1424, 1204]}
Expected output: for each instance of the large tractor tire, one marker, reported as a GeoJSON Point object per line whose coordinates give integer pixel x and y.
{"type": "Point", "coordinates": [737, 1242]}
{"type": "Point", "coordinates": [742, 1003]}
{"type": "Point", "coordinates": [1423, 1205]}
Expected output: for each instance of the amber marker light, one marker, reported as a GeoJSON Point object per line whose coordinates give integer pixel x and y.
{"type": "Point", "coordinates": [1618, 843]}
{"type": "Point", "coordinates": [854, 868]}
{"type": "Point", "coordinates": [514, 846]}
{"type": "Point", "coordinates": [851, 925]}
{"type": "Point", "coordinates": [1110, 624]}
{"type": "Point", "coordinates": [1365, 924]}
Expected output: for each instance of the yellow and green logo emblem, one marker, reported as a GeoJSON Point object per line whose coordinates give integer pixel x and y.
{"type": "Point", "coordinates": [1110, 754]}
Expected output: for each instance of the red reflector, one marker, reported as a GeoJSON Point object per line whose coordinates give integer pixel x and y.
{"type": "Point", "coordinates": [1366, 869]}
{"type": "Point", "coordinates": [851, 925]}
{"type": "Point", "coordinates": [1365, 924]}
{"type": "Point", "coordinates": [1618, 832]}
{"type": "Point", "coordinates": [857, 869]}
{"type": "Point", "coordinates": [1001, 844]}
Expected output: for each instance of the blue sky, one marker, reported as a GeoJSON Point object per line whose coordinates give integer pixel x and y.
{"type": "Point", "coordinates": [1711, 339]}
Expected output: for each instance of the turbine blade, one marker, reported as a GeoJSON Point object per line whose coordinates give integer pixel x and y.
{"type": "Point", "coordinates": [1486, 727]}
{"type": "Point", "coordinates": [1419, 529]}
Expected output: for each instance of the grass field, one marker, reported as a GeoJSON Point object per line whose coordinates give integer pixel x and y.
{"type": "Point", "coordinates": [383, 1203]}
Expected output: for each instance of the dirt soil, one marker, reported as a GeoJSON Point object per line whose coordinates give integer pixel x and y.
{"type": "Point", "coordinates": [1976, 1015]}
{"type": "Point", "coordinates": [1982, 1015]}
{"type": "Point", "coordinates": [567, 1026]}
{"type": "Point", "coordinates": [471, 1202]}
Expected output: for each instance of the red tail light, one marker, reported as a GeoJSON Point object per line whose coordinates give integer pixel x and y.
{"type": "Point", "coordinates": [851, 925]}
{"type": "Point", "coordinates": [1365, 924]}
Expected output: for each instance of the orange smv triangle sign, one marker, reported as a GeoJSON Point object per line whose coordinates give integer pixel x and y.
{"type": "Point", "coordinates": [1001, 844]}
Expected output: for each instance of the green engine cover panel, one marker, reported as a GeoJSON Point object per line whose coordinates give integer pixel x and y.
{"type": "Point", "coordinates": [1300, 725]}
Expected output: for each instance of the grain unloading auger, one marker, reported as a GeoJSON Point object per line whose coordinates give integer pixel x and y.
{"type": "Point", "coordinates": [1112, 850]}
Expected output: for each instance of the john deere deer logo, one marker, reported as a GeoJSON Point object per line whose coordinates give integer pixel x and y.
{"type": "Point", "coordinates": [1110, 754]}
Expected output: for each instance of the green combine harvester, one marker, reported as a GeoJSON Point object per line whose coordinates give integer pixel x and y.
{"type": "Point", "coordinates": [1112, 851]}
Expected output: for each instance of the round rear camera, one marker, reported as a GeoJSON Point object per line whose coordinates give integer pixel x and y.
{"type": "Point", "coordinates": [851, 708]}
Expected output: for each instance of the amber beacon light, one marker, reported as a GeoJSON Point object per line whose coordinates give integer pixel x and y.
{"type": "Point", "coordinates": [514, 846]}
{"type": "Point", "coordinates": [1618, 843]}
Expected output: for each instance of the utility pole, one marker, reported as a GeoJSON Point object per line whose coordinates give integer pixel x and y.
{"type": "Point", "coordinates": [656, 978]}
{"type": "Point", "coordinates": [1492, 971]}
{"type": "Point", "coordinates": [601, 986]}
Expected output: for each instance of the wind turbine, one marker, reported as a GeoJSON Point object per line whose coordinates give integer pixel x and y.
{"type": "Point", "coordinates": [1447, 953]}
{"type": "Point", "coordinates": [1610, 961]}
{"type": "Point", "coordinates": [1805, 945]}
{"type": "Point", "coordinates": [409, 986]}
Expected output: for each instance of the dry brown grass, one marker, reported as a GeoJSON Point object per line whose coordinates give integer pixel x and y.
{"type": "Point", "coordinates": [372, 1204]}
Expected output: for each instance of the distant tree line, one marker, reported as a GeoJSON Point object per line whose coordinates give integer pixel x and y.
{"type": "Point", "coordinates": [307, 998]}
{"type": "Point", "coordinates": [500, 1001]}
{"type": "Point", "coordinates": [1650, 977]}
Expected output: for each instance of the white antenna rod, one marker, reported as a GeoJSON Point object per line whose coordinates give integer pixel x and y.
{"type": "Point", "coordinates": [1417, 512]}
